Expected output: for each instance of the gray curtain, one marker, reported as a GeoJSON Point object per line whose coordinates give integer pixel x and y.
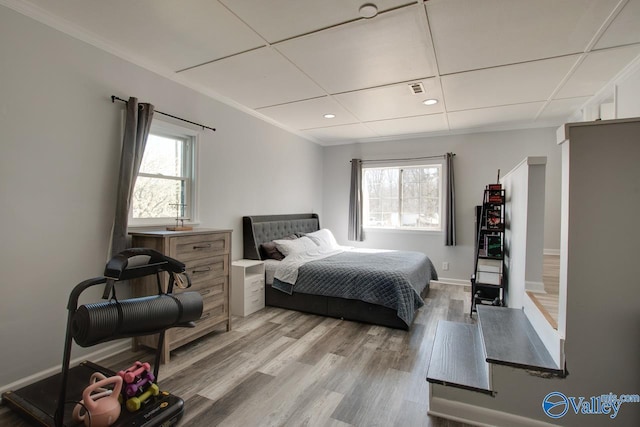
{"type": "Point", "coordinates": [355, 202]}
{"type": "Point", "coordinates": [450, 203]}
{"type": "Point", "coordinates": [136, 131]}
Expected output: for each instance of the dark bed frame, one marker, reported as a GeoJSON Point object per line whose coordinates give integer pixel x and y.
{"type": "Point", "coordinates": [265, 228]}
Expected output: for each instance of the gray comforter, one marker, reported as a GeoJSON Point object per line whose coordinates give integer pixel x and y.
{"type": "Point", "coordinates": [393, 279]}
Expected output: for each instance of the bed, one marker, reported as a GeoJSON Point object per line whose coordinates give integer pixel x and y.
{"type": "Point", "coordinates": [379, 287]}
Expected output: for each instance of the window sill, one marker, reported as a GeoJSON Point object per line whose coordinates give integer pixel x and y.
{"type": "Point", "coordinates": [400, 230]}
{"type": "Point", "coordinates": [158, 226]}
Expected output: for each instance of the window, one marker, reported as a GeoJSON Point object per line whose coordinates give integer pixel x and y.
{"type": "Point", "coordinates": [405, 197]}
{"type": "Point", "coordinates": [165, 187]}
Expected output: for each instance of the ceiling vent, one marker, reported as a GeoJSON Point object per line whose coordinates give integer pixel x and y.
{"type": "Point", "coordinates": [416, 88]}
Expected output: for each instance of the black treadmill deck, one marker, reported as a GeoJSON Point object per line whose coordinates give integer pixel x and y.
{"type": "Point", "coordinates": [37, 402]}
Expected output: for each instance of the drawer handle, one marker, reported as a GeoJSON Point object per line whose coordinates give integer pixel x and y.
{"type": "Point", "coordinates": [208, 314]}
{"type": "Point", "coordinates": [205, 292]}
{"type": "Point", "coordinates": [201, 270]}
{"type": "Point", "coordinates": [205, 246]}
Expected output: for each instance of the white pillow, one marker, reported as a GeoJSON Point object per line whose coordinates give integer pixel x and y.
{"type": "Point", "coordinates": [324, 239]}
{"type": "Point", "coordinates": [288, 247]}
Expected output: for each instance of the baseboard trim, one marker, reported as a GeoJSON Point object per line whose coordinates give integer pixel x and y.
{"type": "Point", "coordinates": [449, 281]}
{"type": "Point", "coordinates": [478, 416]}
{"type": "Point", "coordinates": [96, 356]}
{"type": "Point", "coordinates": [551, 252]}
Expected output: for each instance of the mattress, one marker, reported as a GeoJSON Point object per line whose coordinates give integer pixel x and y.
{"type": "Point", "coordinates": [392, 279]}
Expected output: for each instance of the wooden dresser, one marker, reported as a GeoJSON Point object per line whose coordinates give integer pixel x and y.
{"type": "Point", "coordinates": [207, 254]}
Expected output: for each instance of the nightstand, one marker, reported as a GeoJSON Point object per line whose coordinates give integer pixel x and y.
{"type": "Point", "coordinates": [247, 277]}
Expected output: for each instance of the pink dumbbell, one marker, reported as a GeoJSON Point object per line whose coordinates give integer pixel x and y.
{"type": "Point", "coordinates": [136, 370]}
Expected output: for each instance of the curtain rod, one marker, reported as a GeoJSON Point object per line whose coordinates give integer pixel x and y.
{"type": "Point", "coordinates": [115, 98]}
{"type": "Point", "coordinates": [442, 156]}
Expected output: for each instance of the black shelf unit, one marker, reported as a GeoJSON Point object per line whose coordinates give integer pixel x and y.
{"type": "Point", "coordinates": [487, 280]}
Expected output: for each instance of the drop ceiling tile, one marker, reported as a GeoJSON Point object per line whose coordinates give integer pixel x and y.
{"type": "Point", "coordinates": [511, 84]}
{"type": "Point", "coordinates": [309, 113]}
{"type": "Point", "coordinates": [342, 134]}
{"type": "Point", "coordinates": [562, 109]}
{"type": "Point", "coordinates": [495, 117]}
{"type": "Point", "coordinates": [389, 102]}
{"type": "Point", "coordinates": [392, 47]}
{"type": "Point", "coordinates": [364, 63]}
{"type": "Point", "coordinates": [598, 68]}
{"type": "Point", "coordinates": [167, 33]}
{"type": "Point", "coordinates": [258, 78]}
{"type": "Point", "coordinates": [410, 125]}
{"type": "Point", "coordinates": [277, 20]}
{"type": "Point", "coordinates": [470, 35]}
{"type": "Point", "coordinates": [625, 28]}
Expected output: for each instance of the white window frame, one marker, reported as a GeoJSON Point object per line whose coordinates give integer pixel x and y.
{"type": "Point", "coordinates": [166, 129]}
{"type": "Point", "coordinates": [401, 165]}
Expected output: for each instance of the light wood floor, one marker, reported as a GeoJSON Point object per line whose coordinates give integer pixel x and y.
{"type": "Point", "coordinates": [285, 368]}
{"type": "Point", "coordinates": [548, 302]}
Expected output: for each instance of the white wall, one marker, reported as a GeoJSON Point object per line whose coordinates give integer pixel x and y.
{"type": "Point", "coordinates": [478, 158]}
{"type": "Point", "coordinates": [524, 213]}
{"type": "Point", "coordinates": [628, 93]}
{"type": "Point", "coordinates": [60, 139]}
{"type": "Point", "coordinates": [620, 95]}
{"type": "Point", "coordinates": [524, 221]}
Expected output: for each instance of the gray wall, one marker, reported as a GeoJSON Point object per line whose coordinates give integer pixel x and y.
{"type": "Point", "coordinates": [478, 158]}
{"type": "Point", "coordinates": [58, 174]}
{"type": "Point", "coordinates": [603, 307]}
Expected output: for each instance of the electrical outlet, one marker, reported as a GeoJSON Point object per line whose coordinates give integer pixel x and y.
{"type": "Point", "coordinates": [445, 266]}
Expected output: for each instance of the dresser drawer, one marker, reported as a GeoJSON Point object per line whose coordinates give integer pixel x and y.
{"type": "Point", "coordinates": [254, 282]}
{"type": "Point", "coordinates": [253, 294]}
{"type": "Point", "coordinates": [203, 271]}
{"type": "Point", "coordinates": [187, 248]}
{"type": "Point", "coordinates": [256, 288]}
{"type": "Point", "coordinates": [206, 254]}
{"type": "Point", "coordinates": [218, 286]}
{"type": "Point", "coordinates": [254, 301]}
{"type": "Point", "coordinates": [215, 311]}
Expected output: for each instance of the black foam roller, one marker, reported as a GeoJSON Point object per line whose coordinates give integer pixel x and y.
{"type": "Point", "coordinates": [109, 320]}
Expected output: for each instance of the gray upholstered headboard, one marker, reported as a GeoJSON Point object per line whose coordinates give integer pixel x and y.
{"type": "Point", "coordinates": [265, 228]}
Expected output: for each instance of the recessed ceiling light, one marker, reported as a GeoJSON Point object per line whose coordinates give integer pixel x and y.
{"type": "Point", "coordinates": [368, 10]}
{"type": "Point", "coordinates": [329, 116]}
{"type": "Point", "coordinates": [430, 101]}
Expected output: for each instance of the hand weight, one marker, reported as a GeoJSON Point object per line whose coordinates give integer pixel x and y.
{"type": "Point", "coordinates": [103, 407]}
